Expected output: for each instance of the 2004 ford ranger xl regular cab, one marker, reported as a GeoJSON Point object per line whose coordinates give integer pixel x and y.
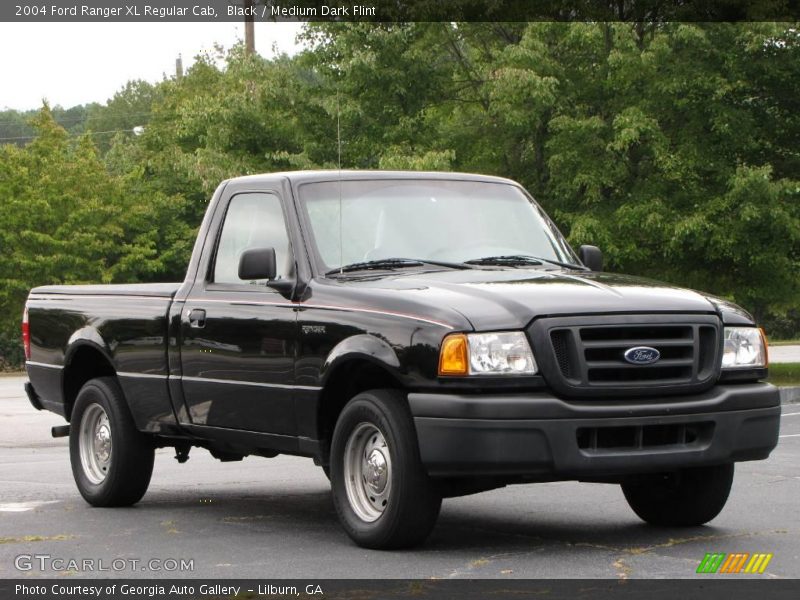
{"type": "Point", "coordinates": [420, 336]}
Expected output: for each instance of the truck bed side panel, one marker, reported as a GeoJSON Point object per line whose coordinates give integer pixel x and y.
{"type": "Point", "coordinates": [129, 329]}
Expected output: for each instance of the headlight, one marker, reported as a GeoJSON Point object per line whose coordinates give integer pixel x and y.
{"type": "Point", "coordinates": [744, 347]}
{"type": "Point", "coordinates": [505, 353]}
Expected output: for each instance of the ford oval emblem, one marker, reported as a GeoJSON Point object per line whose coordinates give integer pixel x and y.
{"type": "Point", "coordinates": [642, 355]}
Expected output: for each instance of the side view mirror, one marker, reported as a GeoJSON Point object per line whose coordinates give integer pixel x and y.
{"type": "Point", "coordinates": [257, 263]}
{"type": "Point", "coordinates": [592, 257]}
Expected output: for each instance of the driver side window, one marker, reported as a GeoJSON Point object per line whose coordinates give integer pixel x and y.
{"type": "Point", "coordinates": [253, 220]}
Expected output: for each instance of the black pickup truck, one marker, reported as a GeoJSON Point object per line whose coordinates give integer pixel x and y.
{"type": "Point", "coordinates": [420, 336]}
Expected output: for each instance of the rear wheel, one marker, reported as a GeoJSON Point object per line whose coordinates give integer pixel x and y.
{"type": "Point", "coordinates": [382, 494]}
{"type": "Point", "coordinates": [686, 498]}
{"type": "Point", "coordinates": [111, 460]}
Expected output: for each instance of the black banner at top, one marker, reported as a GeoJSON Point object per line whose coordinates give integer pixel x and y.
{"type": "Point", "coordinates": [396, 10]}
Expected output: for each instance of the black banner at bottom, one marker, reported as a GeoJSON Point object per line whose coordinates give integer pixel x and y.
{"type": "Point", "coordinates": [732, 588]}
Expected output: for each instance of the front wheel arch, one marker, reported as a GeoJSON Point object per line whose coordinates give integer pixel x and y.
{"type": "Point", "coordinates": [349, 378]}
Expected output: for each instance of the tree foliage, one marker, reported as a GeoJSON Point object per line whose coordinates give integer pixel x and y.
{"type": "Point", "coordinates": [673, 146]}
{"type": "Point", "coordinates": [16, 127]}
{"type": "Point", "coordinates": [66, 219]}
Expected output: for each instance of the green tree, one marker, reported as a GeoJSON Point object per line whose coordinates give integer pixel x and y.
{"type": "Point", "coordinates": [66, 219]}
{"type": "Point", "coordinates": [130, 107]}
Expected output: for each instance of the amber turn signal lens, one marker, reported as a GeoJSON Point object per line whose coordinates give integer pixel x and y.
{"type": "Point", "coordinates": [766, 346]}
{"type": "Point", "coordinates": [453, 356]}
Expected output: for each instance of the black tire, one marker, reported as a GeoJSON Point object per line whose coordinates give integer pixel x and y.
{"type": "Point", "coordinates": [687, 498]}
{"type": "Point", "coordinates": [410, 511]}
{"type": "Point", "coordinates": [126, 473]}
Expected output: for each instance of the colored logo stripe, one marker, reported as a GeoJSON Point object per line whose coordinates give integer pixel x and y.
{"type": "Point", "coordinates": [758, 563]}
{"type": "Point", "coordinates": [714, 562]}
{"type": "Point", "coordinates": [734, 562]}
{"type": "Point", "coordinates": [710, 563]}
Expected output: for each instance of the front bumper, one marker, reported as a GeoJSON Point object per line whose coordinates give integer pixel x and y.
{"type": "Point", "coordinates": [539, 436]}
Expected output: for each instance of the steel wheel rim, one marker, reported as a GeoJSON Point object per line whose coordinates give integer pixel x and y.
{"type": "Point", "coordinates": [367, 472]}
{"type": "Point", "coordinates": [95, 443]}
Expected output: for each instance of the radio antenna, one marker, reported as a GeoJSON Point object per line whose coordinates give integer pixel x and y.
{"type": "Point", "coordinates": [339, 148]}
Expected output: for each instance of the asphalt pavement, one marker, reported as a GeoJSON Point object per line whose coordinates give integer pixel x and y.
{"type": "Point", "coordinates": [784, 354]}
{"type": "Point", "coordinates": [274, 518]}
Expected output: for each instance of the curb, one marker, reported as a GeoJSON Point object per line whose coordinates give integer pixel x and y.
{"type": "Point", "coordinates": [790, 395]}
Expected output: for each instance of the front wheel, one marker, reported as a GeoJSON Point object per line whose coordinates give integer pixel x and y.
{"type": "Point", "coordinates": [687, 498]}
{"type": "Point", "coordinates": [111, 460]}
{"type": "Point", "coordinates": [382, 494]}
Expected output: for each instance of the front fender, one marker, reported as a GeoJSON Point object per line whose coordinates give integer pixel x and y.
{"type": "Point", "coordinates": [363, 346]}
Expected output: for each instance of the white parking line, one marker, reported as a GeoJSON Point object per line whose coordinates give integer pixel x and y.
{"type": "Point", "coordinates": [24, 506]}
{"type": "Point", "coordinates": [789, 414]}
{"type": "Point", "coordinates": [790, 435]}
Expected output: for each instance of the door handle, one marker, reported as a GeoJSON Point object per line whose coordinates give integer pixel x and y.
{"type": "Point", "coordinates": [197, 318]}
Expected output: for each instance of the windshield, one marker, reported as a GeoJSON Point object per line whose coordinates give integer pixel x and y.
{"type": "Point", "coordinates": [433, 220]}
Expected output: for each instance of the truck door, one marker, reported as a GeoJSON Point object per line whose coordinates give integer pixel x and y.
{"type": "Point", "coordinates": [238, 337]}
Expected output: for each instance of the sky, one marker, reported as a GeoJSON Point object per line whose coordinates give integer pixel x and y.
{"type": "Point", "coordinates": [77, 63]}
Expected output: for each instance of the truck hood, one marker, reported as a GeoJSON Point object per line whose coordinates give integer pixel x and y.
{"type": "Point", "coordinates": [511, 298]}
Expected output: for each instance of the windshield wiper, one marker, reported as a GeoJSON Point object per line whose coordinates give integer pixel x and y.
{"type": "Point", "coordinates": [395, 263]}
{"type": "Point", "coordinates": [564, 264]}
{"type": "Point", "coordinates": [505, 260]}
{"type": "Point", "coordinates": [514, 260]}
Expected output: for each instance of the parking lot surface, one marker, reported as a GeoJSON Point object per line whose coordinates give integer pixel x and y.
{"type": "Point", "coordinates": [274, 518]}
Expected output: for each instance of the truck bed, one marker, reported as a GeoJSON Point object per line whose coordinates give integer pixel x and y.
{"type": "Point", "coordinates": [121, 328]}
{"type": "Point", "coordinates": [159, 290]}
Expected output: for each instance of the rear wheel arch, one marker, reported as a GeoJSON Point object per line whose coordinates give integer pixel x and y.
{"type": "Point", "coordinates": [84, 362]}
